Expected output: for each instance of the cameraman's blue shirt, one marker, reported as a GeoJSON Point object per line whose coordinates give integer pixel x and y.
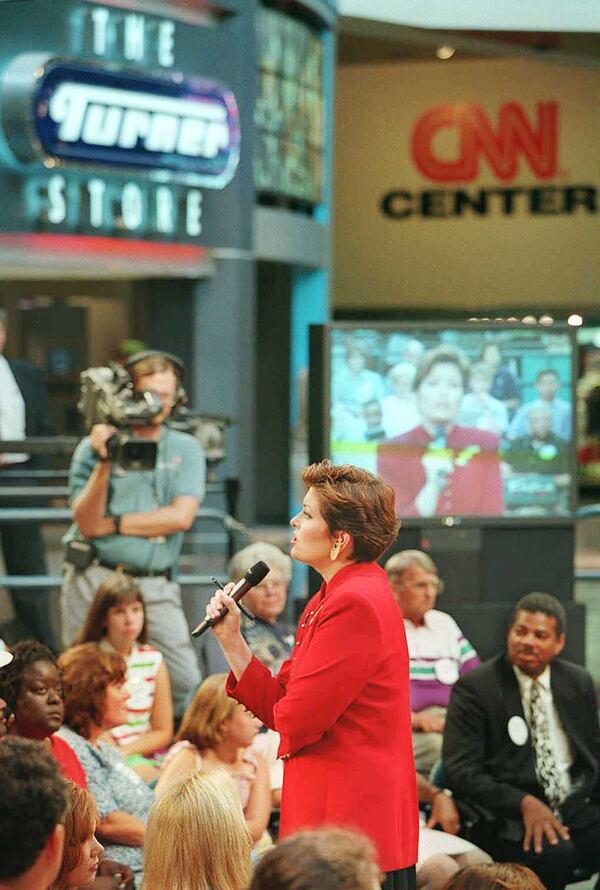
{"type": "Point", "coordinates": [180, 470]}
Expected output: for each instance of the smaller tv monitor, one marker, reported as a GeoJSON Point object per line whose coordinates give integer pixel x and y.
{"type": "Point", "coordinates": [465, 421]}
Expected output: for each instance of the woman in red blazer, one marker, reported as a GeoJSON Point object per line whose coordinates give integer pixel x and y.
{"type": "Point", "coordinates": [341, 702]}
{"type": "Point", "coordinates": [440, 468]}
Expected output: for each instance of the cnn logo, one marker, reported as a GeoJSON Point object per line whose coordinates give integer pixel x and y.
{"type": "Point", "coordinates": [502, 146]}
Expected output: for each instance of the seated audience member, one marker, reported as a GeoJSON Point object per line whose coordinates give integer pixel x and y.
{"type": "Point", "coordinates": [505, 386]}
{"type": "Point", "coordinates": [399, 408]}
{"type": "Point", "coordinates": [270, 639]}
{"type": "Point", "coordinates": [441, 853]}
{"type": "Point", "coordinates": [82, 865]}
{"type": "Point", "coordinates": [117, 621]}
{"type": "Point", "coordinates": [95, 702]}
{"type": "Point", "coordinates": [547, 384]}
{"type": "Point", "coordinates": [5, 658]}
{"type": "Point", "coordinates": [437, 650]}
{"type": "Point", "coordinates": [196, 836]}
{"type": "Point", "coordinates": [217, 731]}
{"type": "Point", "coordinates": [31, 687]}
{"type": "Point", "coordinates": [539, 450]}
{"type": "Point", "coordinates": [478, 407]}
{"type": "Point", "coordinates": [266, 743]}
{"type": "Point", "coordinates": [82, 851]}
{"type": "Point", "coordinates": [328, 859]}
{"type": "Point", "coordinates": [496, 876]}
{"type": "Point", "coordinates": [521, 741]}
{"type": "Point", "coordinates": [33, 800]}
{"type": "Point", "coordinates": [373, 421]}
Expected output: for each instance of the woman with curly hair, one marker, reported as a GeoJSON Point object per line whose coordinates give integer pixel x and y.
{"type": "Point", "coordinates": [31, 688]}
{"type": "Point", "coordinates": [197, 836]}
{"type": "Point", "coordinates": [96, 701]}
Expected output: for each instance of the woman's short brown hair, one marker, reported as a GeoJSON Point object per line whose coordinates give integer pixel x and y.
{"type": "Point", "coordinates": [495, 876]}
{"type": "Point", "coordinates": [118, 588]}
{"type": "Point", "coordinates": [81, 821]}
{"type": "Point", "coordinates": [355, 501]}
{"type": "Point", "coordinates": [329, 858]}
{"type": "Point", "coordinates": [441, 355]}
{"type": "Point", "coordinates": [202, 722]}
{"type": "Point", "coordinates": [87, 671]}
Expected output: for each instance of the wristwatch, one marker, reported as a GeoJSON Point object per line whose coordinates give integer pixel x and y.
{"type": "Point", "coordinates": [445, 791]}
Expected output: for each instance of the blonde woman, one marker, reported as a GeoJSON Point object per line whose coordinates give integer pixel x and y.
{"type": "Point", "coordinates": [197, 837]}
{"type": "Point", "coordinates": [216, 731]}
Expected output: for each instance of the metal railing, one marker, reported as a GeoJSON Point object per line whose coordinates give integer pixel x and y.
{"type": "Point", "coordinates": [64, 446]}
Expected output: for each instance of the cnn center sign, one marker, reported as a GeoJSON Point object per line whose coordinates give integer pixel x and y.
{"type": "Point", "coordinates": [117, 130]}
{"type": "Point", "coordinates": [508, 148]}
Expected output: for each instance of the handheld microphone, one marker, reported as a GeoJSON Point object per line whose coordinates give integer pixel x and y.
{"type": "Point", "coordinates": [253, 576]}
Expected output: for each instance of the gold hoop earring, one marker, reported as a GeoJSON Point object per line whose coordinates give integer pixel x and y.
{"type": "Point", "coordinates": [335, 549]}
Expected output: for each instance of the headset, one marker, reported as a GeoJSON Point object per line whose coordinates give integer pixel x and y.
{"type": "Point", "coordinates": [180, 398]}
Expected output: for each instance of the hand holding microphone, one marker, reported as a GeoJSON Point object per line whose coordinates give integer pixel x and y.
{"type": "Point", "coordinates": [437, 468]}
{"type": "Point", "coordinates": [220, 605]}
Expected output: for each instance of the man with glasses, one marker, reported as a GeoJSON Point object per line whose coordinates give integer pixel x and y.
{"type": "Point", "coordinates": [439, 653]}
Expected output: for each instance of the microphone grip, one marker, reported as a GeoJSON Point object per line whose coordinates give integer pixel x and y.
{"type": "Point", "coordinates": [236, 596]}
{"type": "Point", "coordinates": [208, 622]}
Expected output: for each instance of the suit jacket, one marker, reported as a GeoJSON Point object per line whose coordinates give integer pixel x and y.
{"type": "Point", "coordinates": [341, 704]}
{"type": "Point", "coordinates": [30, 380]}
{"type": "Point", "coordinates": [484, 765]}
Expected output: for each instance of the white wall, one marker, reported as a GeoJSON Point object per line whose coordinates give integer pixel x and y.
{"type": "Point", "coordinates": [469, 262]}
{"type": "Point", "coordinates": [514, 15]}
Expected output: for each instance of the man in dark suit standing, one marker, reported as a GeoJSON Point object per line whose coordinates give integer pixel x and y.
{"type": "Point", "coordinates": [23, 412]}
{"type": "Point", "coordinates": [522, 742]}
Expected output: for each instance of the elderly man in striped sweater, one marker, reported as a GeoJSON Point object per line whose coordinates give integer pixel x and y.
{"type": "Point", "coordinates": [439, 653]}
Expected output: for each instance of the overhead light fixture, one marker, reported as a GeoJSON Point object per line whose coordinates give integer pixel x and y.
{"type": "Point", "coordinates": [575, 320]}
{"type": "Point", "coordinates": [445, 52]}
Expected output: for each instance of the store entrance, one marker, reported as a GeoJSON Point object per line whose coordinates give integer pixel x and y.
{"type": "Point", "coordinates": [64, 327]}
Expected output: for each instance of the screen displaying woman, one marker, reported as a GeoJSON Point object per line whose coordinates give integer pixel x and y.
{"type": "Point", "coordinates": [440, 467]}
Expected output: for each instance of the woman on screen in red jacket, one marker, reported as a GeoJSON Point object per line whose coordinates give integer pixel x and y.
{"type": "Point", "coordinates": [441, 468]}
{"type": "Point", "coordinates": [341, 702]}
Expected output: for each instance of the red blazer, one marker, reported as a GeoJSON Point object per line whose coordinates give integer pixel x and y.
{"type": "Point", "coordinates": [474, 488]}
{"type": "Point", "coordinates": [342, 706]}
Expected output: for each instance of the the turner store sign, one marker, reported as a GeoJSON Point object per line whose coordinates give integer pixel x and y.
{"type": "Point", "coordinates": [113, 134]}
{"type": "Point", "coordinates": [453, 145]}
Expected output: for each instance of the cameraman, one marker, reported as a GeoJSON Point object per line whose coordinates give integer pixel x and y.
{"type": "Point", "coordinates": [133, 521]}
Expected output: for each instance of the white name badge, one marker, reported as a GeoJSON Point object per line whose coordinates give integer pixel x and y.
{"type": "Point", "coordinates": [446, 671]}
{"type": "Point", "coordinates": [517, 730]}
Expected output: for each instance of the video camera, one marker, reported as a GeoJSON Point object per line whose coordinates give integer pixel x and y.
{"type": "Point", "coordinates": [108, 396]}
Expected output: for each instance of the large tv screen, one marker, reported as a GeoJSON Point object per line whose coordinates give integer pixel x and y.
{"type": "Point", "coordinates": [463, 420]}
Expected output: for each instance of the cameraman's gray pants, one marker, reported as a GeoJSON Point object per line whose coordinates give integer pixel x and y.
{"type": "Point", "coordinates": [167, 627]}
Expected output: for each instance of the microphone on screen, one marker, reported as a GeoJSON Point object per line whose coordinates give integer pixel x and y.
{"type": "Point", "coordinates": [253, 576]}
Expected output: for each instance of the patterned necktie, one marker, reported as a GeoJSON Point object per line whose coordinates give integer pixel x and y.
{"type": "Point", "coordinates": [545, 763]}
